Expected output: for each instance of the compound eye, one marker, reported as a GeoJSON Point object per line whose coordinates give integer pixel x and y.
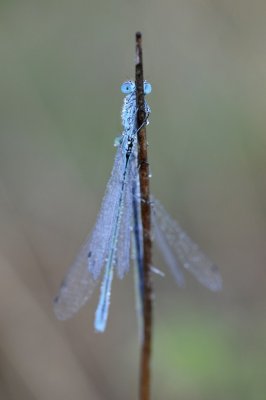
{"type": "Point", "coordinates": [128, 87]}
{"type": "Point", "coordinates": [147, 87]}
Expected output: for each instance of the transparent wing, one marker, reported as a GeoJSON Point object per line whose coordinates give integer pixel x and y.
{"type": "Point", "coordinates": [124, 238]}
{"type": "Point", "coordinates": [83, 275]}
{"type": "Point", "coordinates": [118, 254]}
{"type": "Point", "coordinates": [177, 242]}
{"type": "Point", "coordinates": [101, 238]}
{"type": "Point", "coordinates": [168, 255]}
{"type": "Point", "coordinates": [76, 288]}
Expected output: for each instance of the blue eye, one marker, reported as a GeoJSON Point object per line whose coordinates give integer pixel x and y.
{"type": "Point", "coordinates": [147, 87]}
{"type": "Point", "coordinates": [128, 87]}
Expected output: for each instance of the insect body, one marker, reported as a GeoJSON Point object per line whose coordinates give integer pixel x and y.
{"type": "Point", "coordinates": [109, 245]}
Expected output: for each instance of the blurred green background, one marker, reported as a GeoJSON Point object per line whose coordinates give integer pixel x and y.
{"type": "Point", "coordinates": [62, 63]}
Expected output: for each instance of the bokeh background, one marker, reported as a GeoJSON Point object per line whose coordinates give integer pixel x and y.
{"type": "Point", "coordinates": [62, 63]}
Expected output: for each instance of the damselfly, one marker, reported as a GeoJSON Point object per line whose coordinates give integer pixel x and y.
{"type": "Point", "coordinates": [118, 230]}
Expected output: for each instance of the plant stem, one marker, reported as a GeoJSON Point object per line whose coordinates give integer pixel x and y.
{"type": "Point", "coordinates": [145, 374]}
